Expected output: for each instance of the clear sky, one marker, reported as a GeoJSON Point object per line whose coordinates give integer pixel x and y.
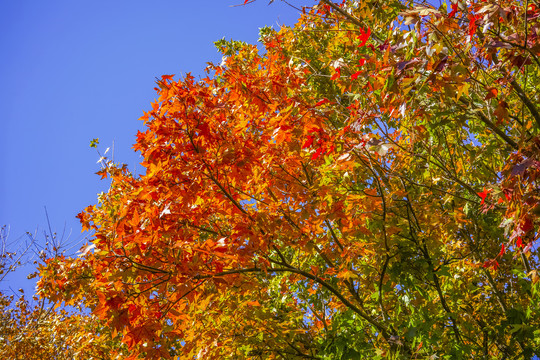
{"type": "Point", "coordinates": [77, 70]}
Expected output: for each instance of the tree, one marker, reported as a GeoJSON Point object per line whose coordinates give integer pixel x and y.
{"type": "Point", "coordinates": [366, 188]}
{"type": "Point", "coordinates": [40, 332]}
{"type": "Point", "coordinates": [35, 329]}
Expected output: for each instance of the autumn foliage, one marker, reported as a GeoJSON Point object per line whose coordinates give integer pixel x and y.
{"type": "Point", "coordinates": [35, 329]}
{"type": "Point", "coordinates": [365, 187]}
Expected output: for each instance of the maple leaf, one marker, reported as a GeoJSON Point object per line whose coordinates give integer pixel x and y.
{"type": "Point", "coordinates": [501, 111]}
{"type": "Point", "coordinates": [440, 65]}
{"type": "Point", "coordinates": [473, 23]}
{"type": "Point", "coordinates": [321, 102]}
{"type": "Point", "coordinates": [337, 74]}
{"type": "Point", "coordinates": [364, 36]}
{"type": "Point", "coordinates": [501, 253]}
{"type": "Point", "coordinates": [454, 10]}
{"type": "Point", "coordinates": [320, 151]}
{"type": "Point", "coordinates": [494, 264]}
{"type": "Point", "coordinates": [492, 92]}
{"type": "Point", "coordinates": [167, 77]}
{"type": "Point", "coordinates": [484, 194]}
{"type": "Point", "coordinates": [308, 142]}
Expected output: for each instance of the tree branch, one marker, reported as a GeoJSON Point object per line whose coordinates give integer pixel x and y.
{"type": "Point", "coordinates": [310, 276]}
{"type": "Point", "coordinates": [521, 94]}
{"type": "Point", "coordinates": [352, 19]}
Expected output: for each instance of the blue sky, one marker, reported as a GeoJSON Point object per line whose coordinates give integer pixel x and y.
{"type": "Point", "coordinates": [77, 70]}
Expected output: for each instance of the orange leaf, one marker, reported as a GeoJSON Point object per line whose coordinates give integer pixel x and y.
{"type": "Point", "coordinates": [492, 92]}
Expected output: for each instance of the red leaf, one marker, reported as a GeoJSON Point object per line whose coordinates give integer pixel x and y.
{"type": "Point", "coordinates": [336, 74]}
{"type": "Point", "coordinates": [454, 10]}
{"type": "Point", "coordinates": [519, 242]}
{"type": "Point", "coordinates": [527, 225]}
{"type": "Point", "coordinates": [317, 153]}
{"type": "Point", "coordinates": [355, 75]}
{"type": "Point", "coordinates": [364, 37]}
{"type": "Point", "coordinates": [167, 77]}
{"type": "Point", "coordinates": [491, 264]}
{"type": "Point", "coordinates": [472, 24]}
{"type": "Point", "coordinates": [308, 142]}
{"type": "Point", "coordinates": [483, 195]}
{"type": "Point", "coordinates": [114, 302]}
{"type": "Point", "coordinates": [502, 251]}
{"type": "Point", "coordinates": [321, 102]}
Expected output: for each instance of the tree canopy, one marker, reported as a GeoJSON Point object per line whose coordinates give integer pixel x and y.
{"type": "Point", "coordinates": [35, 329]}
{"type": "Point", "coordinates": [364, 186]}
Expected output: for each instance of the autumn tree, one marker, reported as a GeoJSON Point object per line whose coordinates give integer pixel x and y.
{"type": "Point", "coordinates": [365, 188]}
{"type": "Point", "coordinates": [32, 329]}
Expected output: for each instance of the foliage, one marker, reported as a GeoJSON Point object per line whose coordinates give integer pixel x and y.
{"type": "Point", "coordinates": [34, 329]}
{"type": "Point", "coordinates": [40, 332]}
{"type": "Point", "coordinates": [366, 188]}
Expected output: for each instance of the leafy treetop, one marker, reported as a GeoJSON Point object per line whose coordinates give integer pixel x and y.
{"type": "Point", "coordinates": [366, 188]}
